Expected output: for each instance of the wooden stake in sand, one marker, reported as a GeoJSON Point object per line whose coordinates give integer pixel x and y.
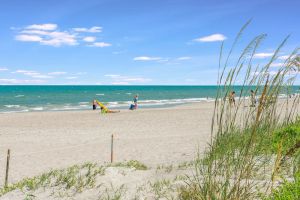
{"type": "Point", "coordinates": [112, 149]}
{"type": "Point", "coordinates": [7, 168]}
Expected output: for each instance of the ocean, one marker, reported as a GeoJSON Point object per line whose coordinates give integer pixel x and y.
{"type": "Point", "coordinates": [59, 98]}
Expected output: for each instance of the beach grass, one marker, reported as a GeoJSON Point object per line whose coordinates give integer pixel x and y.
{"type": "Point", "coordinates": [130, 164]}
{"type": "Point", "coordinates": [250, 146]}
{"type": "Point", "coordinates": [72, 180]}
{"type": "Point", "coordinates": [75, 177]}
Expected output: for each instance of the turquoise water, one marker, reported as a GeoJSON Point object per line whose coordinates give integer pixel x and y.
{"type": "Point", "coordinates": [56, 98]}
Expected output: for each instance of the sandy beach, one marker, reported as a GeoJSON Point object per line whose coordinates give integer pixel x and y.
{"type": "Point", "coordinates": [41, 141]}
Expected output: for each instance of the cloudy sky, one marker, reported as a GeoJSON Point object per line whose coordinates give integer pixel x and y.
{"type": "Point", "coordinates": [135, 42]}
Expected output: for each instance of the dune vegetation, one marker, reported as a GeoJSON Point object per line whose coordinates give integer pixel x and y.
{"type": "Point", "coordinates": [254, 151]}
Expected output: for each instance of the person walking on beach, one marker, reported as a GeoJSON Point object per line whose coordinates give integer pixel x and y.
{"type": "Point", "coordinates": [135, 100]}
{"type": "Point", "coordinates": [252, 99]}
{"type": "Point", "coordinates": [94, 104]}
{"type": "Point", "coordinates": [232, 98]}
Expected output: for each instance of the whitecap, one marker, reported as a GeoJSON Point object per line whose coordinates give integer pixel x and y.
{"type": "Point", "coordinates": [84, 106]}
{"type": "Point", "coordinates": [20, 95]}
{"type": "Point", "coordinates": [70, 108]}
{"type": "Point", "coordinates": [12, 106]}
{"type": "Point", "coordinates": [113, 103]}
{"type": "Point", "coordinates": [38, 108]}
{"type": "Point", "coordinates": [99, 94]}
{"type": "Point", "coordinates": [83, 102]}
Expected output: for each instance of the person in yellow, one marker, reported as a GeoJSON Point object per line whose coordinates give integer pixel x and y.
{"type": "Point", "coordinates": [106, 110]}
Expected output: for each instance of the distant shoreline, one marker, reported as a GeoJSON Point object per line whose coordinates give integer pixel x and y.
{"type": "Point", "coordinates": [122, 109]}
{"type": "Point", "coordinates": [65, 98]}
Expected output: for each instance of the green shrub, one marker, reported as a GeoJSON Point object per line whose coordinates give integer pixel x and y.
{"type": "Point", "coordinates": [287, 191]}
{"type": "Point", "coordinates": [287, 136]}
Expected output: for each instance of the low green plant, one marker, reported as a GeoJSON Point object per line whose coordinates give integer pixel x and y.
{"type": "Point", "coordinates": [287, 137]}
{"type": "Point", "coordinates": [162, 189]}
{"type": "Point", "coordinates": [132, 163]}
{"type": "Point", "coordinates": [113, 193]}
{"type": "Point", "coordinates": [67, 182]}
{"type": "Point", "coordinates": [289, 190]}
{"type": "Point", "coordinates": [75, 177]}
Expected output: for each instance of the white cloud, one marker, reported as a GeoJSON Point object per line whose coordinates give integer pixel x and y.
{"type": "Point", "coordinates": [112, 75]}
{"type": "Point", "coordinates": [18, 81]}
{"type": "Point", "coordinates": [49, 34]}
{"type": "Point", "coordinates": [29, 38]}
{"type": "Point", "coordinates": [59, 38]}
{"type": "Point", "coordinates": [3, 69]}
{"type": "Point", "coordinates": [146, 58]}
{"type": "Point", "coordinates": [283, 57]}
{"type": "Point", "coordinates": [35, 32]}
{"type": "Point", "coordinates": [100, 44]}
{"type": "Point", "coordinates": [23, 71]}
{"type": "Point", "coordinates": [56, 73]}
{"type": "Point", "coordinates": [33, 74]}
{"type": "Point", "coordinates": [71, 77]}
{"type": "Point", "coordinates": [27, 72]}
{"type": "Point", "coordinates": [89, 39]}
{"type": "Point", "coordinates": [211, 38]}
{"type": "Point", "coordinates": [162, 60]}
{"type": "Point", "coordinates": [277, 65]}
{"type": "Point", "coordinates": [46, 27]}
{"type": "Point", "coordinates": [184, 58]}
{"type": "Point", "coordinates": [263, 55]}
{"type": "Point", "coordinates": [94, 29]}
{"type": "Point", "coordinates": [51, 38]}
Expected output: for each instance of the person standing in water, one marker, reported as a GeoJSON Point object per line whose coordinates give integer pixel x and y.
{"type": "Point", "coordinates": [135, 100]}
{"type": "Point", "coordinates": [94, 104]}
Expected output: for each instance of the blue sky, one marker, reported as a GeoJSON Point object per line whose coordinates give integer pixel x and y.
{"type": "Point", "coordinates": [135, 42]}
